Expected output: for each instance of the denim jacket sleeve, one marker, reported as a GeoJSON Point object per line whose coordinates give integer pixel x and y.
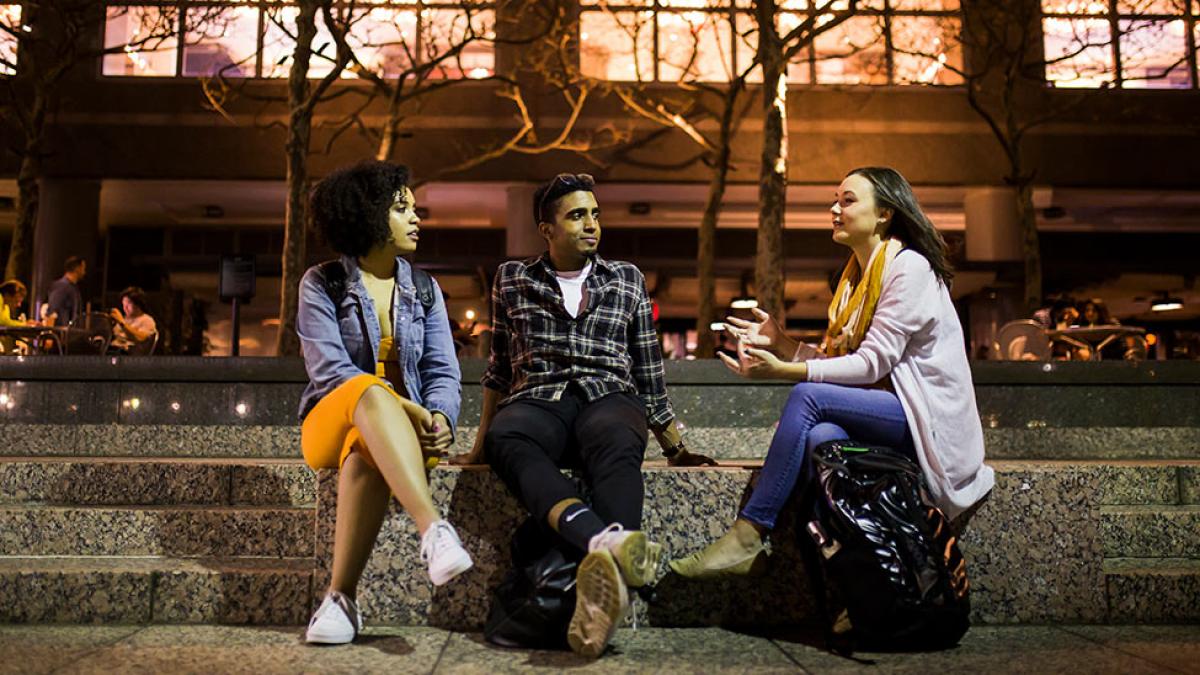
{"type": "Point", "coordinates": [325, 357]}
{"type": "Point", "coordinates": [441, 376]}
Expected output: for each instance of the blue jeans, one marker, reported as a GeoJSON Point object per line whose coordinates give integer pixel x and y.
{"type": "Point", "coordinates": [815, 413]}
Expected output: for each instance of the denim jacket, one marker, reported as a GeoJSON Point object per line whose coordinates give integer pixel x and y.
{"type": "Point", "coordinates": [339, 342]}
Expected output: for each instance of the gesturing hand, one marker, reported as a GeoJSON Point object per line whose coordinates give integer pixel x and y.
{"type": "Point", "coordinates": [758, 364]}
{"type": "Point", "coordinates": [766, 333]}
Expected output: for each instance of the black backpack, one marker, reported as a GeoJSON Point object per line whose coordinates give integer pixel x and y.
{"type": "Point", "coordinates": [334, 273]}
{"type": "Point", "coordinates": [533, 605]}
{"type": "Point", "coordinates": [886, 553]}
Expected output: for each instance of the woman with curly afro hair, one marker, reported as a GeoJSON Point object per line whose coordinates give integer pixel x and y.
{"type": "Point", "coordinates": [384, 383]}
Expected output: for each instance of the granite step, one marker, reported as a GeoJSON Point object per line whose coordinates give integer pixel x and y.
{"type": "Point", "coordinates": [155, 481]}
{"type": "Point", "coordinates": [1160, 590]}
{"type": "Point", "coordinates": [720, 442]}
{"type": "Point", "coordinates": [1151, 531]}
{"type": "Point", "coordinates": [91, 589]}
{"type": "Point", "coordinates": [185, 531]}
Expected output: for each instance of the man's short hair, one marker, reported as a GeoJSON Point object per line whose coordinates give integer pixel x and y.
{"type": "Point", "coordinates": [545, 198]}
{"type": "Point", "coordinates": [73, 263]}
{"type": "Point", "coordinates": [136, 296]}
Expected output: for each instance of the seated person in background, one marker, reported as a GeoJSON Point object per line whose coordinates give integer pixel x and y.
{"type": "Point", "coordinates": [13, 294]}
{"type": "Point", "coordinates": [1094, 313]}
{"type": "Point", "coordinates": [1065, 315]}
{"type": "Point", "coordinates": [134, 326]}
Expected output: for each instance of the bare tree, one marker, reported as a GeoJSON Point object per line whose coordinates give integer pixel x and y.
{"type": "Point", "coordinates": [774, 53]}
{"type": "Point", "coordinates": [1006, 69]}
{"type": "Point", "coordinates": [50, 39]}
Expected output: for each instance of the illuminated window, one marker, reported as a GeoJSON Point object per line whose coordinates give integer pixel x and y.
{"type": "Point", "coordinates": [712, 40]}
{"type": "Point", "coordinates": [10, 23]}
{"type": "Point", "coordinates": [251, 38]}
{"type": "Point", "coordinates": [1155, 45]}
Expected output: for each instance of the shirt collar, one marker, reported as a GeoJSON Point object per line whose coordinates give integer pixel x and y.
{"type": "Point", "coordinates": [598, 264]}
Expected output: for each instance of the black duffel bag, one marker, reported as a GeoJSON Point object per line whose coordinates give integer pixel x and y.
{"type": "Point", "coordinates": [887, 553]}
{"type": "Point", "coordinates": [532, 606]}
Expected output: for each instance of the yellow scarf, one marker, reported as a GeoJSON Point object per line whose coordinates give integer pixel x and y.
{"type": "Point", "coordinates": [854, 301]}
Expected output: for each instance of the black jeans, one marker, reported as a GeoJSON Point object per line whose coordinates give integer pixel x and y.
{"type": "Point", "coordinates": [529, 441]}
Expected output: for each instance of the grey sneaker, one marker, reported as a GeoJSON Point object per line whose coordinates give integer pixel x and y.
{"type": "Point", "coordinates": [601, 602]}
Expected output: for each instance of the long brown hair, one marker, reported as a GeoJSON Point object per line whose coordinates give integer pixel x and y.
{"type": "Point", "coordinates": [909, 223]}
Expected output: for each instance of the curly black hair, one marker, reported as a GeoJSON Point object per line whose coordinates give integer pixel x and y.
{"type": "Point", "coordinates": [349, 208]}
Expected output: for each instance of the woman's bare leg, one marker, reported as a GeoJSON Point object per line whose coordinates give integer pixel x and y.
{"type": "Point", "coordinates": [391, 438]}
{"type": "Point", "coordinates": [363, 498]}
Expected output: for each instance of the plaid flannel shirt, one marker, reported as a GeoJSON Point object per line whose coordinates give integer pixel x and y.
{"type": "Point", "coordinates": [538, 349]}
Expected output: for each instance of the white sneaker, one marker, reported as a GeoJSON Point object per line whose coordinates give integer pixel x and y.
{"type": "Point", "coordinates": [442, 551]}
{"type": "Point", "coordinates": [336, 622]}
{"type": "Point", "coordinates": [636, 556]}
{"type": "Point", "coordinates": [601, 602]}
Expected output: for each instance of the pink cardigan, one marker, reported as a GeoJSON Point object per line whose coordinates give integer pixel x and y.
{"type": "Point", "coordinates": [915, 337]}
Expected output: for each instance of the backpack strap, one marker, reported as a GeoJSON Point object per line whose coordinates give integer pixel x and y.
{"type": "Point", "coordinates": [424, 284]}
{"type": "Point", "coordinates": [334, 273]}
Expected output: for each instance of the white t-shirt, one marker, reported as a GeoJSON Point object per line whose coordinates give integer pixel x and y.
{"type": "Point", "coordinates": [571, 284]}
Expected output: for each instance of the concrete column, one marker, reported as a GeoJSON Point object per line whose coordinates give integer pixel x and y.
{"type": "Point", "coordinates": [993, 231]}
{"type": "Point", "coordinates": [521, 234]}
{"type": "Point", "coordinates": [68, 222]}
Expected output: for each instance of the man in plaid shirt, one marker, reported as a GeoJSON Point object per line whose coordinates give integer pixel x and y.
{"type": "Point", "coordinates": [576, 378]}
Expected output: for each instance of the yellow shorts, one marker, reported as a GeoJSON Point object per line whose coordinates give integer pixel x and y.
{"type": "Point", "coordinates": [328, 434]}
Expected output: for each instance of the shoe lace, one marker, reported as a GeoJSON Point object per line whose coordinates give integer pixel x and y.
{"type": "Point", "coordinates": [605, 538]}
{"type": "Point", "coordinates": [440, 537]}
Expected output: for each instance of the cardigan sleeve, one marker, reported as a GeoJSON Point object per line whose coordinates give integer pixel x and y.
{"type": "Point", "coordinates": [907, 305]}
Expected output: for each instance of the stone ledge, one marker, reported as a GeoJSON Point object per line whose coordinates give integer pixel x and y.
{"type": "Point", "coordinates": [1138, 531]}
{"type": "Point", "coordinates": [283, 442]}
{"type": "Point", "coordinates": [1034, 551]}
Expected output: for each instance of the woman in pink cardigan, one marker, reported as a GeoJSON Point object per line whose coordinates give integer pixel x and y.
{"type": "Point", "coordinates": [892, 369]}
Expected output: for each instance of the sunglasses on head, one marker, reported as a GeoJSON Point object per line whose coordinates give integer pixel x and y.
{"type": "Point", "coordinates": [582, 181]}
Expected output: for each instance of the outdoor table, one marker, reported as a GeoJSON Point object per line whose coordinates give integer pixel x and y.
{"type": "Point", "coordinates": [1096, 337]}
{"type": "Point", "coordinates": [62, 334]}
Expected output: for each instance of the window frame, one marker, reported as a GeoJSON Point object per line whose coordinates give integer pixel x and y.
{"type": "Point", "coordinates": [419, 7]}
{"type": "Point", "coordinates": [1190, 16]}
{"type": "Point", "coordinates": [738, 11]}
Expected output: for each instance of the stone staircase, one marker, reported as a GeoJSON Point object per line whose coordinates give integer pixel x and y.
{"type": "Point", "coordinates": [163, 496]}
{"type": "Point", "coordinates": [161, 540]}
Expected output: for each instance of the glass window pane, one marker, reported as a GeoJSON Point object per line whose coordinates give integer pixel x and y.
{"type": "Point", "coordinates": [829, 5]}
{"type": "Point", "coordinates": [279, 42]}
{"type": "Point", "coordinates": [385, 40]}
{"type": "Point", "coordinates": [692, 4]}
{"type": "Point", "coordinates": [147, 37]}
{"type": "Point", "coordinates": [852, 53]}
{"type": "Point", "coordinates": [10, 17]}
{"type": "Point", "coordinates": [617, 46]}
{"type": "Point", "coordinates": [746, 46]}
{"type": "Point", "coordinates": [1171, 7]}
{"type": "Point", "coordinates": [924, 47]}
{"type": "Point", "coordinates": [1096, 7]}
{"type": "Point", "coordinates": [925, 5]}
{"type": "Point", "coordinates": [799, 70]}
{"type": "Point", "coordinates": [1154, 55]}
{"type": "Point", "coordinates": [694, 46]}
{"type": "Point", "coordinates": [445, 29]}
{"type": "Point", "coordinates": [220, 40]}
{"type": "Point", "coordinates": [1078, 52]}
